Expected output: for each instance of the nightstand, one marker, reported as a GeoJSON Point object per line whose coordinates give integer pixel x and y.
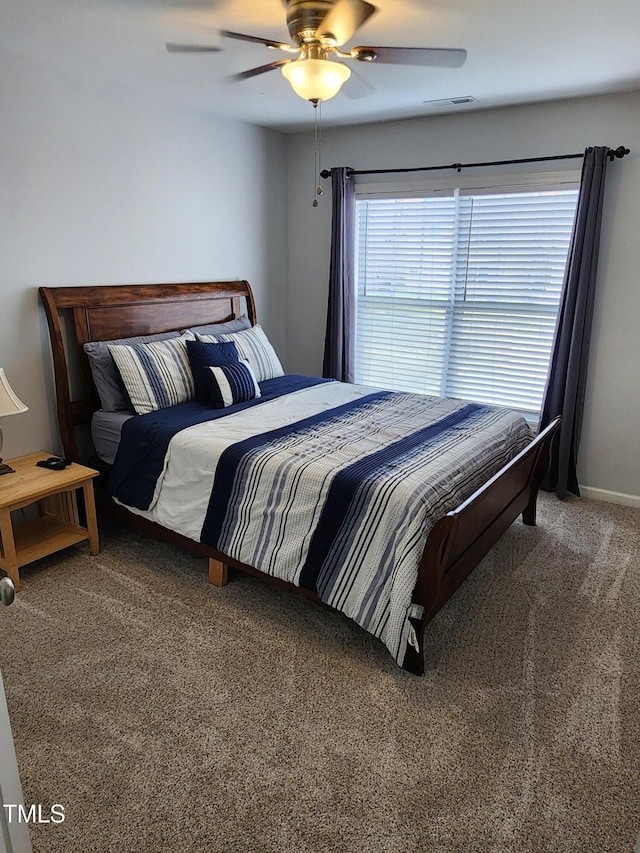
{"type": "Point", "coordinates": [58, 525]}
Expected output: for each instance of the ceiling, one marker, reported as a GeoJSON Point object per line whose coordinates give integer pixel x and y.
{"type": "Point", "coordinates": [518, 51]}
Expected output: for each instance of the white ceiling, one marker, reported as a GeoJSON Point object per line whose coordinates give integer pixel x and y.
{"type": "Point", "coordinates": [518, 51]}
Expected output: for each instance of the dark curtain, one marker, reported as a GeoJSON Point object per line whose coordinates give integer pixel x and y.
{"type": "Point", "coordinates": [568, 370]}
{"type": "Point", "coordinates": [339, 337]}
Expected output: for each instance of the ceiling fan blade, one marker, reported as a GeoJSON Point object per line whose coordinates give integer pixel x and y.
{"type": "Point", "coordinates": [276, 45]}
{"type": "Point", "coordinates": [343, 19]}
{"type": "Point", "coordinates": [172, 47]}
{"type": "Point", "coordinates": [261, 69]}
{"type": "Point", "coordinates": [436, 56]}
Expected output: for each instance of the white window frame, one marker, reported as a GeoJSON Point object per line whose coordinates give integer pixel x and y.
{"type": "Point", "coordinates": [477, 183]}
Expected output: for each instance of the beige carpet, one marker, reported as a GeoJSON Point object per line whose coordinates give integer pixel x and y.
{"type": "Point", "coordinates": [166, 715]}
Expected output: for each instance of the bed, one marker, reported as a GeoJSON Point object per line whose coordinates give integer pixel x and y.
{"type": "Point", "coordinates": [337, 524]}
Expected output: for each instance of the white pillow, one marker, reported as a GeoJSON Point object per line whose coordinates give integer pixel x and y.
{"type": "Point", "coordinates": [253, 346]}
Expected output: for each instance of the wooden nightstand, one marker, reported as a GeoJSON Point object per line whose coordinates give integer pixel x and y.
{"type": "Point", "coordinates": [58, 525]}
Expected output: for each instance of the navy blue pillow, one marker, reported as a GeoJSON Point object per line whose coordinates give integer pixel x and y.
{"type": "Point", "coordinates": [202, 356]}
{"type": "Point", "coordinates": [232, 383]}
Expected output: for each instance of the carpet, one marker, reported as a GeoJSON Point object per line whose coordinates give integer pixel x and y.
{"type": "Point", "coordinates": [167, 715]}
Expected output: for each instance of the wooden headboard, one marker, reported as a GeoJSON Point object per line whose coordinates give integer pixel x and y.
{"type": "Point", "coordinates": [109, 312]}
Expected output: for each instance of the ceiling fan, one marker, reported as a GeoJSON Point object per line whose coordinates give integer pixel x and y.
{"type": "Point", "coordinates": [319, 28]}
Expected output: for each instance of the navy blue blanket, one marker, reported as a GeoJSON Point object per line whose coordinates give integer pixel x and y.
{"type": "Point", "coordinates": [144, 439]}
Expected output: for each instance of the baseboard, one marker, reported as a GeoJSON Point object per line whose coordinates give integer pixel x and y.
{"type": "Point", "coordinates": [610, 497]}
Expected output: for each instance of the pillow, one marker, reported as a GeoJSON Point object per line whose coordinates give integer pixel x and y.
{"type": "Point", "coordinates": [232, 383]}
{"type": "Point", "coordinates": [105, 374]}
{"type": "Point", "coordinates": [254, 347]}
{"type": "Point", "coordinates": [155, 375]}
{"type": "Point", "coordinates": [236, 325]}
{"type": "Point", "coordinates": [203, 355]}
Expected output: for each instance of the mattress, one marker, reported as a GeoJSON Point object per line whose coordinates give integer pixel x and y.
{"type": "Point", "coordinates": [106, 428]}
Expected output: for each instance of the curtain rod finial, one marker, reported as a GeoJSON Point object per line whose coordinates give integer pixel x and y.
{"type": "Point", "coordinates": [326, 173]}
{"type": "Point", "coordinates": [619, 152]}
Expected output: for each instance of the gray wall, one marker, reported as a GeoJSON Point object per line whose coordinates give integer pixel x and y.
{"type": "Point", "coordinates": [609, 458]}
{"type": "Point", "coordinates": [101, 186]}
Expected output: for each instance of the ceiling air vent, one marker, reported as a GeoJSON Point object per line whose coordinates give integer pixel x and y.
{"type": "Point", "coordinates": [451, 102]}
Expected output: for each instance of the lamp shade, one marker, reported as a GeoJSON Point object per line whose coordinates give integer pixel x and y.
{"type": "Point", "coordinates": [316, 79]}
{"type": "Point", "coordinates": [10, 404]}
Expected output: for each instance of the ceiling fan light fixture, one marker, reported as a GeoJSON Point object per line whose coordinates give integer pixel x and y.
{"type": "Point", "coordinates": [316, 79]}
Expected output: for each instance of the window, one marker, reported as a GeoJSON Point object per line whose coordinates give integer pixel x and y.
{"type": "Point", "coordinates": [458, 293]}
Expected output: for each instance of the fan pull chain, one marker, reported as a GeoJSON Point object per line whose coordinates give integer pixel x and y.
{"type": "Point", "coordinates": [317, 139]}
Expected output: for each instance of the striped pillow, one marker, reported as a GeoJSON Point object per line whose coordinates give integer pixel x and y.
{"type": "Point", "coordinates": [155, 375]}
{"type": "Point", "coordinates": [105, 374]}
{"type": "Point", "coordinates": [253, 346]}
{"type": "Point", "coordinates": [232, 383]}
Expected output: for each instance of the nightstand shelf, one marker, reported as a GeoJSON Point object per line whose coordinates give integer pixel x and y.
{"type": "Point", "coordinates": [58, 525]}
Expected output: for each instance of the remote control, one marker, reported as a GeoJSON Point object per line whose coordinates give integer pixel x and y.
{"type": "Point", "coordinates": [54, 463]}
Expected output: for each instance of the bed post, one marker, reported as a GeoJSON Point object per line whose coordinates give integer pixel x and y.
{"type": "Point", "coordinates": [427, 590]}
{"type": "Point", "coordinates": [61, 374]}
{"type": "Point", "coordinates": [540, 470]}
{"type": "Point", "coordinates": [218, 572]}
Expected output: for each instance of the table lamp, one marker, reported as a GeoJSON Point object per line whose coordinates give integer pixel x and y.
{"type": "Point", "coordinates": [9, 405]}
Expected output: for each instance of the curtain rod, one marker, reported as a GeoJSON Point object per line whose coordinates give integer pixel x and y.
{"type": "Point", "coordinates": [618, 152]}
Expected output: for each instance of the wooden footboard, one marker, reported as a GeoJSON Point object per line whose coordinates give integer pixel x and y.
{"type": "Point", "coordinates": [460, 540]}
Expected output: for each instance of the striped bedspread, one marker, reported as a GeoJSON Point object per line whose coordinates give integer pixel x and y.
{"type": "Point", "coordinates": [335, 488]}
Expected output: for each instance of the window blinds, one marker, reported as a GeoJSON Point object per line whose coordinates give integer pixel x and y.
{"type": "Point", "coordinates": [458, 295]}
